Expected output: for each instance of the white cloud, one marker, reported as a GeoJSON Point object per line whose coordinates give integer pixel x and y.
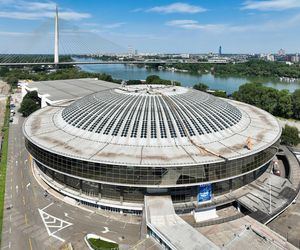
{"type": "Point", "coordinates": [195, 25]}
{"type": "Point", "coordinates": [27, 10]}
{"type": "Point", "coordinates": [269, 26]}
{"type": "Point", "coordinates": [8, 33]}
{"type": "Point", "coordinates": [113, 25]}
{"type": "Point", "coordinates": [66, 15]}
{"type": "Point", "coordinates": [33, 6]}
{"type": "Point", "coordinates": [269, 5]}
{"type": "Point", "coordinates": [177, 8]}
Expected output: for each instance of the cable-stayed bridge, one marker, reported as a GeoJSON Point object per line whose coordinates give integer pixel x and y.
{"type": "Point", "coordinates": [66, 44]}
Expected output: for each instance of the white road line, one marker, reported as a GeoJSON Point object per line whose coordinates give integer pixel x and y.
{"type": "Point", "coordinates": [50, 219]}
{"type": "Point", "coordinates": [47, 206]}
{"type": "Point", "coordinates": [106, 230]}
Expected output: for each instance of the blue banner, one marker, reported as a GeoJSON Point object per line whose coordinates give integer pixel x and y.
{"type": "Point", "coordinates": [204, 193]}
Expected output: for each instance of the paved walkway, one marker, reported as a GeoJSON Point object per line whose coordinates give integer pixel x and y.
{"type": "Point", "coordinates": [168, 226]}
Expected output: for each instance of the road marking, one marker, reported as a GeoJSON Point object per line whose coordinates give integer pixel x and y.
{"type": "Point", "coordinates": [47, 206]}
{"type": "Point", "coordinates": [30, 244]}
{"type": "Point", "coordinates": [66, 214]}
{"type": "Point", "coordinates": [53, 224]}
{"type": "Point", "coordinates": [27, 186]}
{"type": "Point", "coordinates": [17, 188]}
{"type": "Point", "coordinates": [10, 230]}
{"type": "Point", "coordinates": [106, 230]}
{"type": "Point", "coordinates": [139, 243]}
{"type": "Point", "coordinates": [26, 221]}
{"type": "Point", "coordinates": [23, 200]}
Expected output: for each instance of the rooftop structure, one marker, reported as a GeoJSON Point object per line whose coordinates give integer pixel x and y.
{"type": "Point", "coordinates": [58, 90]}
{"type": "Point", "coordinates": [121, 143]}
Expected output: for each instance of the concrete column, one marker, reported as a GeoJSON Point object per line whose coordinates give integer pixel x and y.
{"type": "Point", "coordinates": [121, 195]}
{"type": "Point", "coordinates": [80, 186]}
{"type": "Point", "coordinates": [99, 191]}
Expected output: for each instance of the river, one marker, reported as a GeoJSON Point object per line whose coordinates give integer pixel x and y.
{"type": "Point", "coordinates": [229, 84]}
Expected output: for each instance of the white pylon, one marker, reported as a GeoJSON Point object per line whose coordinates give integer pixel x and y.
{"type": "Point", "coordinates": [56, 39]}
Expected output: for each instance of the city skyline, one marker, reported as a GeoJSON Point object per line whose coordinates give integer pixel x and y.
{"type": "Point", "coordinates": [166, 26]}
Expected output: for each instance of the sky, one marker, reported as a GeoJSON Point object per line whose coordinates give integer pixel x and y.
{"type": "Point", "coordinates": [194, 26]}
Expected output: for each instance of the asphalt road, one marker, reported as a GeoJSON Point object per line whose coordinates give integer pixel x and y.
{"type": "Point", "coordinates": [38, 222]}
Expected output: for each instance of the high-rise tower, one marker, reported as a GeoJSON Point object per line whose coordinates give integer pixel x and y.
{"type": "Point", "coordinates": [56, 39]}
{"type": "Point", "coordinates": [220, 50]}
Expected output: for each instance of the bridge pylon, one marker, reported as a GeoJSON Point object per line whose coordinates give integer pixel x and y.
{"type": "Point", "coordinates": [56, 38]}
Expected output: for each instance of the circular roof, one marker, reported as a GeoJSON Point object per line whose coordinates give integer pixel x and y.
{"type": "Point", "coordinates": [152, 126]}
{"type": "Point", "coordinates": [152, 112]}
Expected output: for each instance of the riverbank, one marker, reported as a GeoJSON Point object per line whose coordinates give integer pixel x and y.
{"type": "Point", "coordinates": [227, 83]}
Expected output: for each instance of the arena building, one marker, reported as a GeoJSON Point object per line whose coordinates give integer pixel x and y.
{"type": "Point", "coordinates": [113, 147]}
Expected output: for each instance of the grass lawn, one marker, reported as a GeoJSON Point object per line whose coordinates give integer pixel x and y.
{"type": "Point", "coordinates": [98, 244]}
{"type": "Point", "coordinates": [3, 163]}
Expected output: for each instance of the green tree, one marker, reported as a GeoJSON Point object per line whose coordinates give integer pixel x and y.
{"type": "Point", "coordinates": [219, 93]}
{"type": "Point", "coordinates": [290, 136]}
{"type": "Point", "coordinates": [134, 82]}
{"type": "Point", "coordinates": [12, 81]}
{"type": "Point", "coordinates": [28, 106]}
{"type": "Point", "coordinates": [200, 86]}
{"type": "Point", "coordinates": [153, 79]}
{"type": "Point", "coordinates": [296, 103]}
{"type": "Point", "coordinates": [284, 104]}
{"type": "Point", "coordinates": [30, 103]}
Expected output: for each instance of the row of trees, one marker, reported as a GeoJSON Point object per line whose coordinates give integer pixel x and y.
{"type": "Point", "coordinates": [154, 79]}
{"type": "Point", "coordinates": [203, 87]}
{"type": "Point", "coordinates": [251, 68]}
{"type": "Point", "coordinates": [11, 76]}
{"type": "Point", "coordinates": [277, 102]}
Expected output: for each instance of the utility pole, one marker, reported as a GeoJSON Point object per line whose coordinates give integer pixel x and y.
{"type": "Point", "coordinates": [56, 39]}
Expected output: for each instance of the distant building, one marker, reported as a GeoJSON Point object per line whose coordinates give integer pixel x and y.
{"type": "Point", "coordinates": [270, 58]}
{"type": "Point", "coordinates": [220, 50]}
{"type": "Point", "coordinates": [281, 52]}
{"type": "Point", "coordinates": [295, 58]}
{"type": "Point", "coordinates": [130, 50]}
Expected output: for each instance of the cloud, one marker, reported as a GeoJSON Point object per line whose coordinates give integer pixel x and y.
{"type": "Point", "coordinates": [66, 15]}
{"type": "Point", "coordinates": [8, 33]}
{"type": "Point", "coordinates": [27, 10]}
{"type": "Point", "coordinates": [177, 8]}
{"type": "Point", "coordinates": [113, 25]}
{"type": "Point", "coordinates": [32, 6]}
{"type": "Point", "coordinates": [271, 5]}
{"type": "Point", "coordinates": [269, 26]}
{"type": "Point", "coordinates": [195, 25]}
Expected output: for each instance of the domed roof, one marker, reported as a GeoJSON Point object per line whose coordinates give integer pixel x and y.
{"type": "Point", "coordinates": [152, 112]}
{"type": "Point", "coordinates": [152, 126]}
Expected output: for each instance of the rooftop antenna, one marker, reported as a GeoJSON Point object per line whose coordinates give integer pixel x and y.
{"type": "Point", "coordinates": [56, 39]}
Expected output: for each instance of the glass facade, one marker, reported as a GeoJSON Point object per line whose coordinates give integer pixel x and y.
{"type": "Point", "coordinates": [149, 176]}
{"type": "Point", "coordinates": [136, 194]}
